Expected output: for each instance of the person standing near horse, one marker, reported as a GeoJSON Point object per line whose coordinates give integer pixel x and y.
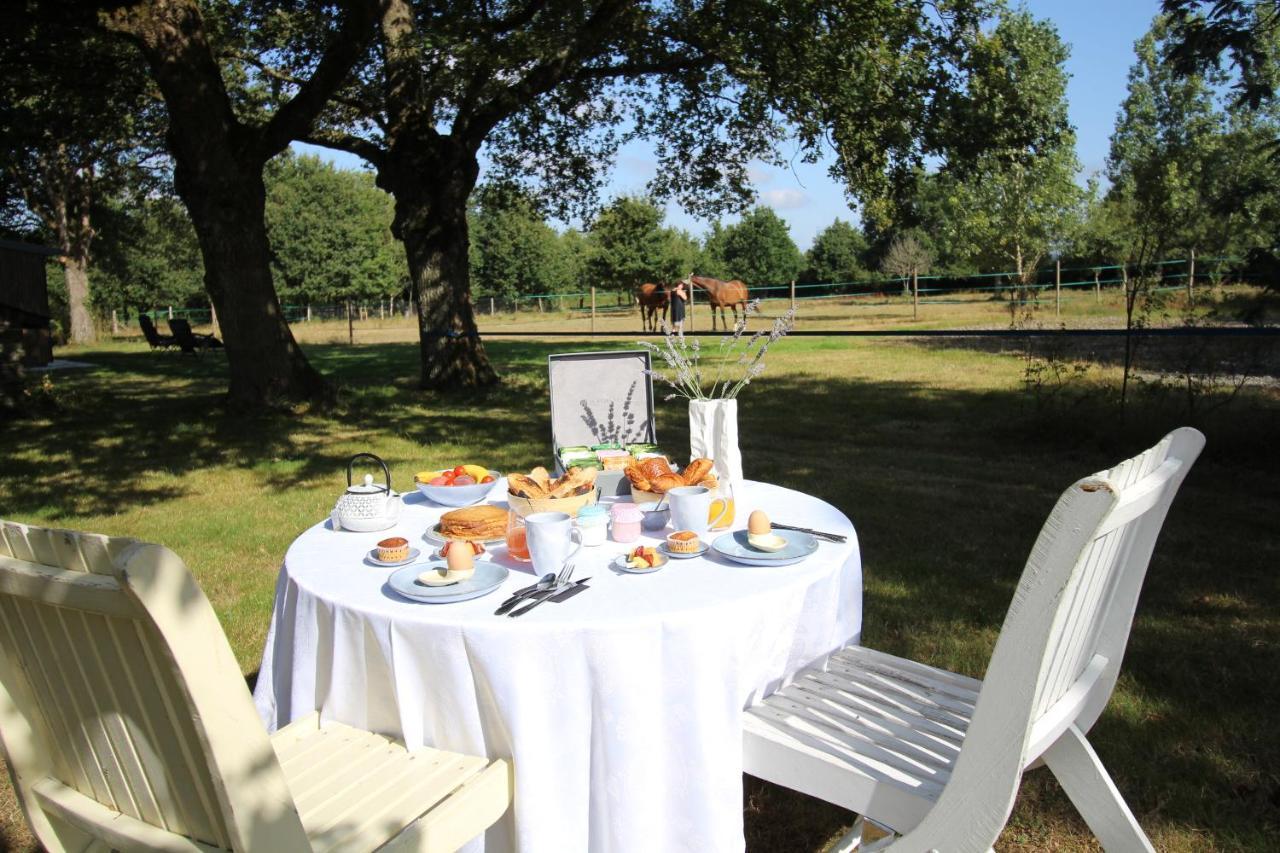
{"type": "Point", "coordinates": [678, 298]}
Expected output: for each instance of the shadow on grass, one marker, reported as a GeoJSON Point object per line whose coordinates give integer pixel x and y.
{"type": "Point", "coordinates": [947, 489]}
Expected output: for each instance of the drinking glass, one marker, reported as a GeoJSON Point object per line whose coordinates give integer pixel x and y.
{"type": "Point", "coordinates": [517, 536]}
{"type": "Point", "coordinates": [720, 516]}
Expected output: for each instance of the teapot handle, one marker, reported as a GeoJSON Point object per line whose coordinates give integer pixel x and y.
{"type": "Point", "coordinates": [386, 472]}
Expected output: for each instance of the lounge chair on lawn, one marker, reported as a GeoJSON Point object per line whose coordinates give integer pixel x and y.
{"type": "Point", "coordinates": [189, 341]}
{"type": "Point", "coordinates": [154, 338]}
{"type": "Point", "coordinates": [126, 724]}
{"type": "Point", "coordinates": [937, 757]}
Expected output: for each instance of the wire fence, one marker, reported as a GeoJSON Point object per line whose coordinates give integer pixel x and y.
{"type": "Point", "coordinates": [1066, 282]}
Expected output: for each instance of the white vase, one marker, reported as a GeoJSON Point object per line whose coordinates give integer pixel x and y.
{"type": "Point", "coordinates": [713, 433]}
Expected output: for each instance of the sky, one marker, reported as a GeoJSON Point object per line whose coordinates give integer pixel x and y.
{"type": "Point", "coordinates": [1101, 36]}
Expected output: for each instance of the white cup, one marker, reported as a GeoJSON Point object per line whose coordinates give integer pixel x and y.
{"type": "Point", "coordinates": [690, 508]}
{"type": "Point", "coordinates": [552, 540]}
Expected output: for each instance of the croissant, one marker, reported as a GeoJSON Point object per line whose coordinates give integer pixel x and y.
{"type": "Point", "coordinates": [637, 478]}
{"type": "Point", "coordinates": [709, 481]}
{"type": "Point", "coordinates": [666, 482]}
{"type": "Point", "coordinates": [696, 470]}
{"type": "Point", "coordinates": [654, 467]}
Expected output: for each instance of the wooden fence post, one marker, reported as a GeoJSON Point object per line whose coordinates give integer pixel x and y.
{"type": "Point", "coordinates": [1057, 287]}
{"type": "Point", "coordinates": [593, 309]}
{"type": "Point", "coordinates": [170, 312]}
{"type": "Point", "coordinates": [115, 324]}
{"type": "Point", "coordinates": [492, 306]}
{"type": "Point", "coordinates": [793, 294]}
{"type": "Point", "coordinates": [689, 308]}
{"type": "Point", "coordinates": [915, 295]}
{"type": "Point", "coordinates": [351, 329]}
{"type": "Point", "coordinates": [1191, 277]}
{"type": "Point", "coordinates": [1097, 288]}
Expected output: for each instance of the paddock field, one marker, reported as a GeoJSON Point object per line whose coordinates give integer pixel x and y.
{"type": "Point", "coordinates": [944, 455]}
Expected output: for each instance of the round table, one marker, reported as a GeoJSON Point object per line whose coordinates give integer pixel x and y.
{"type": "Point", "coordinates": [620, 707]}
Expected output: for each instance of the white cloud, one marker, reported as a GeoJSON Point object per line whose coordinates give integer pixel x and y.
{"type": "Point", "coordinates": [785, 199]}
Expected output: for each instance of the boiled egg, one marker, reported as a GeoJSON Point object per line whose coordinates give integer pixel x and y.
{"type": "Point", "coordinates": [461, 560]}
{"type": "Point", "coordinates": [760, 533]}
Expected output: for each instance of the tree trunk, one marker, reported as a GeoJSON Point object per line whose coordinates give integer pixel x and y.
{"type": "Point", "coordinates": [266, 365]}
{"type": "Point", "coordinates": [431, 184]}
{"type": "Point", "coordinates": [76, 271]}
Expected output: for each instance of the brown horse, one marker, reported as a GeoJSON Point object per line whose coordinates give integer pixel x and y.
{"type": "Point", "coordinates": [720, 294]}
{"type": "Point", "coordinates": [652, 297]}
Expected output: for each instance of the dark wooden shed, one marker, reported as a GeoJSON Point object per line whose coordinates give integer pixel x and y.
{"type": "Point", "coordinates": [24, 301]}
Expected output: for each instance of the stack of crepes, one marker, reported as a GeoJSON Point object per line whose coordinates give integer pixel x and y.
{"type": "Point", "coordinates": [482, 522]}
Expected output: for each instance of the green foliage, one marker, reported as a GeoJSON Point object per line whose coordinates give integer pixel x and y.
{"type": "Point", "coordinates": [147, 257]}
{"type": "Point", "coordinates": [630, 247]}
{"type": "Point", "coordinates": [1014, 204]}
{"type": "Point", "coordinates": [758, 249]}
{"type": "Point", "coordinates": [838, 254]}
{"type": "Point", "coordinates": [1166, 138]}
{"type": "Point", "coordinates": [514, 252]}
{"type": "Point", "coordinates": [330, 232]}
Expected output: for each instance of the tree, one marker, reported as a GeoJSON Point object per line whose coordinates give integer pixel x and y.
{"type": "Point", "coordinates": [550, 89]}
{"type": "Point", "coordinates": [225, 123]}
{"type": "Point", "coordinates": [1166, 139]}
{"type": "Point", "coordinates": [73, 133]}
{"type": "Point", "coordinates": [330, 232]}
{"type": "Point", "coordinates": [906, 258]}
{"type": "Point", "coordinates": [146, 255]}
{"type": "Point", "coordinates": [1012, 205]}
{"type": "Point", "coordinates": [629, 246]}
{"type": "Point", "coordinates": [515, 252]}
{"type": "Point", "coordinates": [1243, 32]}
{"type": "Point", "coordinates": [759, 250]}
{"type": "Point", "coordinates": [838, 254]}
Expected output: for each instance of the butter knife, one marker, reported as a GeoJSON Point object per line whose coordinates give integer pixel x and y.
{"type": "Point", "coordinates": [562, 595]}
{"type": "Point", "coordinates": [830, 537]}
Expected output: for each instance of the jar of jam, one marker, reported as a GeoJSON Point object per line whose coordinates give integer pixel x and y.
{"type": "Point", "coordinates": [627, 518]}
{"type": "Point", "coordinates": [593, 521]}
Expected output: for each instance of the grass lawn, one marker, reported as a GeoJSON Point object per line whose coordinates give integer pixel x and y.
{"type": "Point", "coordinates": [946, 466]}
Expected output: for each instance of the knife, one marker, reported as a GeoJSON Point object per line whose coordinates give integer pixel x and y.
{"type": "Point", "coordinates": [520, 598]}
{"type": "Point", "coordinates": [562, 595]}
{"type": "Point", "coordinates": [521, 594]}
{"type": "Point", "coordinates": [830, 537]}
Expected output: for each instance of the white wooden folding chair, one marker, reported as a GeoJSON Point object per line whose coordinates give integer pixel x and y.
{"type": "Point", "coordinates": [936, 757]}
{"type": "Point", "coordinates": [126, 724]}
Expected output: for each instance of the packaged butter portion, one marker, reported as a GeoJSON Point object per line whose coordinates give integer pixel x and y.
{"type": "Point", "coordinates": [643, 448]}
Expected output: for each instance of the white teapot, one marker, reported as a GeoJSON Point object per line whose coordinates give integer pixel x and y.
{"type": "Point", "coordinates": [366, 507]}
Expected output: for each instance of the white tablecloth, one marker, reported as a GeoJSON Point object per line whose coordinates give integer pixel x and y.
{"type": "Point", "coordinates": [620, 707]}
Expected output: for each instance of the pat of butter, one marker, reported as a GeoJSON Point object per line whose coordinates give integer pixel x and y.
{"type": "Point", "coordinates": [766, 541]}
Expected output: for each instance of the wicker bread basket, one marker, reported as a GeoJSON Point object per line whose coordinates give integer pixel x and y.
{"type": "Point", "coordinates": [571, 505]}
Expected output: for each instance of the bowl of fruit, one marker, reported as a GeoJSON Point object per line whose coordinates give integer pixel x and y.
{"type": "Point", "coordinates": [461, 485]}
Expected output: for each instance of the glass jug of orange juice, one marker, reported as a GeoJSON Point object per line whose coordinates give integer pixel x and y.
{"type": "Point", "coordinates": [720, 516]}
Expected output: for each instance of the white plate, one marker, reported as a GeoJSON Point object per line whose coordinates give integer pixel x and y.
{"type": "Point", "coordinates": [372, 557]}
{"type": "Point", "coordinates": [433, 535]}
{"type": "Point", "coordinates": [488, 577]}
{"type": "Point", "coordinates": [620, 563]}
{"type": "Point", "coordinates": [703, 547]}
{"type": "Point", "coordinates": [733, 546]}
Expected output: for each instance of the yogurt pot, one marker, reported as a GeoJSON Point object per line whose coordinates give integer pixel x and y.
{"type": "Point", "coordinates": [593, 521]}
{"type": "Point", "coordinates": [627, 518]}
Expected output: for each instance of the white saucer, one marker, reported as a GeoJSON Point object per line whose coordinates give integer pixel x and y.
{"type": "Point", "coordinates": [372, 557]}
{"type": "Point", "coordinates": [620, 563]}
{"type": "Point", "coordinates": [703, 547]}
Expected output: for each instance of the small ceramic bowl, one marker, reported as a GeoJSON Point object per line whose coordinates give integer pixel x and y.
{"type": "Point", "coordinates": [655, 519]}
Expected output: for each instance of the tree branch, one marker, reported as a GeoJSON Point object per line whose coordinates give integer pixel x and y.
{"type": "Point", "coordinates": [371, 152]}
{"type": "Point", "coordinates": [274, 73]}
{"type": "Point", "coordinates": [297, 115]}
